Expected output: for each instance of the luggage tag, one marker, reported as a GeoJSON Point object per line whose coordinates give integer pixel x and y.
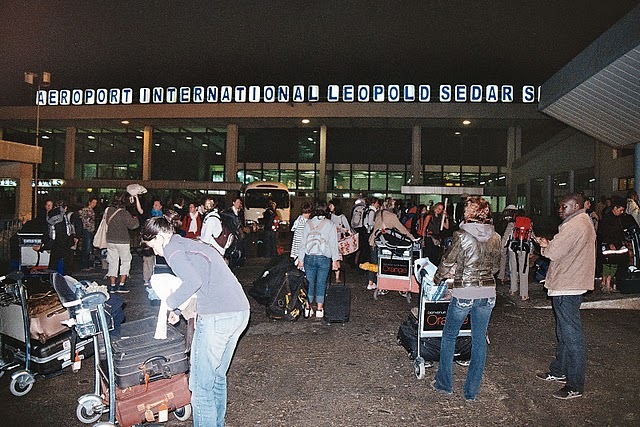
{"type": "Point", "coordinates": [163, 413]}
{"type": "Point", "coordinates": [77, 363]}
{"type": "Point", "coordinates": [148, 415]}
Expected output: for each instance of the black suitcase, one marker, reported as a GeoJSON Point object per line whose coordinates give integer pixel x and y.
{"type": "Point", "coordinates": [139, 357]}
{"type": "Point", "coordinates": [429, 346]}
{"type": "Point", "coordinates": [49, 358]}
{"type": "Point", "coordinates": [630, 283]}
{"type": "Point", "coordinates": [337, 304]}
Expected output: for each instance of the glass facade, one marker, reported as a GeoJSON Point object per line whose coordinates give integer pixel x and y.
{"type": "Point", "coordinates": [108, 154]}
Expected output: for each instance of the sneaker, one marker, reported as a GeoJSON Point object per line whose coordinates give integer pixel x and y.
{"type": "Point", "coordinates": [372, 286]}
{"type": "Point", "coordinates": [319, 314]}
{"type": "Point", "coordinates": [437, 390]}
{"type": "Point", "coordinates": [112, 289]}
{"type": "Point", "coordinates": [308, 312]}
{"type": "Point", "coordinates": [464, 363]}
{"type": "Point", "coordinates": [548, 376]}
{"type": "Point", "coordinates": [147, 283]}
{"type": "Point", "coordinates": [566, 393]}
{"type": "Point", "coordinates": [122, 289]}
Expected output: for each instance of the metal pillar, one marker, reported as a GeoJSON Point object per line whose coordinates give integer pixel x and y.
{"type": "Point", "coordinates": [322, 173]}
{"type": "Point", "coordinates": [146, 153]}
{"type": "Point", "coordinates": [231, 154]}
{"type": "Point", "coordinates": [70, 153]}
{"type": "Point", "coordinates": [416, 155]}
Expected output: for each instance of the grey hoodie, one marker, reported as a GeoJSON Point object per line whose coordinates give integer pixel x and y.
{"type": "Point", "coordinates": [475, 253]}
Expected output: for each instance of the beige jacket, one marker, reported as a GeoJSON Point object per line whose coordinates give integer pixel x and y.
{"type": "Point", "coordinates": [573, 255]}
{"type": "Point", "coordinates": [387, 219]}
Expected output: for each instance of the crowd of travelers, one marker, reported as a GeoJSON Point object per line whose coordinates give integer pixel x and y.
{"type": "Point", "coordinates": [473, 249]}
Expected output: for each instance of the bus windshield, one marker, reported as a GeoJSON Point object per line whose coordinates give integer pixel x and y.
{"type": "Point", "coordinates": [258, 198]}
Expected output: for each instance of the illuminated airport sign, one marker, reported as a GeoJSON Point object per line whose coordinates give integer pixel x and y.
{"type": "Point", "coordinates": [287, 94]}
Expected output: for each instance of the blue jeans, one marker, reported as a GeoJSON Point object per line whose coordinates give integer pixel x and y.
{"type": "Point", "coordinates": [87, 248]}
{"type": "Point", "coordinates": [317, 269]}
{"type": "Point", "coordinates": [214, 342]}
{"type": "Point", "coordinates": [571, 357]}
{"type": "Point", "coordinates": [480, 310]}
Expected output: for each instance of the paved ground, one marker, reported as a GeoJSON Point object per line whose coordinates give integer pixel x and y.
{"type": "Point", "coordinates": [309, 374]}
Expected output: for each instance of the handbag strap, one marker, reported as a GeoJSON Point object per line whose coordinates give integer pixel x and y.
{"type": "Point", "coordinates": [112, 215]}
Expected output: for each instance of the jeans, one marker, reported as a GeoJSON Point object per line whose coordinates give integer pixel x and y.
{"type": "Point", "coordinates": [87, 249]}
{"type": "Point", "coordinates": [571, 357]}
{"type": "Point", "coordinates": [270, 243]}
{"type": "Point", "coordinates": [214, 342]}
{"type": "Point", "coordinates": [480, 310]}
{"type": "Point", "coordinates": [317, 268]}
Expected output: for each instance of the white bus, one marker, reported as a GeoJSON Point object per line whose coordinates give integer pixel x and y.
{"type": "Point", "coordinates": [256, 197]}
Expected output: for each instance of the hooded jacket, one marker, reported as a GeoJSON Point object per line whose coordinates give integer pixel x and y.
{"type": "Point", "coordinates": [475, 253]}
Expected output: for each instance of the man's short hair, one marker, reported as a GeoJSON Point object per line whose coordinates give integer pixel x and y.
{"type": "Point", "coordinates": [576, 197]}
{"type": "Point", "coordinates": [155, 225]}
{"type": "Point", "coordinates": [618, 202]}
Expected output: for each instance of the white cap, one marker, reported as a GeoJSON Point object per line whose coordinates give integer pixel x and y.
{"type": "Point", "coordinates": [511, 207]}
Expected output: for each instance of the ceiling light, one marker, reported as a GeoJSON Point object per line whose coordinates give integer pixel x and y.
{"type": "Point", "coordinates": [92, 150]}
{"type": "Point", "coordinates": [205, 145]}
{"type": "Point", "coordinates": [125, 122]}
{"type": "Point", "coordinates": [188, 137]}
{"type": "Point", "coordinates": [457, 133]}
{"type": "Point", "coordinates": [173, 151]}
{"type": "Point", "coordinates": [310, 139]}
{"type": "Point", "coordinates": [91, 137]}
{"type": "Point", "coordinates": [306, 121]}
{"type": "Point", "coordinates": [139, 136]}
{"type": "Point", "coordinates": [45, 136]}
{"type": "Point", "coordinates": [315, 131]}
{"type": "Point", "coordinates": [132, 151]}
{"type": "Point", "coordinates": [156, 144]}
{"type": "Point", "coordinates": [466, 122]}
{"type": "Point", "coordinates": [218, 153]}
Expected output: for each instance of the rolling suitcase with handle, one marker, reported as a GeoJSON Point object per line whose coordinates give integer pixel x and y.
{"type": "Point", "coordinates": [337, 304]}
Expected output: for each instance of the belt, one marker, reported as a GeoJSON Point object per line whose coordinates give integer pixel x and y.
{"type": "Point", "coordinates": [473, 283]}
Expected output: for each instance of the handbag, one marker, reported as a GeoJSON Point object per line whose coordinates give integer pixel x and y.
{"type": "Point", "coordinates": [348, 244]}
{"type": "Point", "coordinates": [100, 238]}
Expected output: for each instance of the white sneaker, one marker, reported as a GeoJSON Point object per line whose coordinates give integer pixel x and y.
{"type": "Point", "coordinates": [320, 314]}
{"type": "Point", "coordinates": [372, 286]}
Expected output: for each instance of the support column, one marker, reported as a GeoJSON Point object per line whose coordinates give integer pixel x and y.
{"type": "Point", "coordinates": [322, 177]}
{"type": "Point", "coordinates": [70, 153]}
{"type": "Point", "coordinates": [571, 181]}
{"type": "Point", "coordinates": [636, 167]}
{"type": "Point", "coordinates": [146, 153]}
{"type": "Point", "coordinates": [416, 155]}
{"type": "Point", "coordinates": [514, 144]}
{"type": "Point", "coordinates": [548, 203]}
{"type": "Point", "coordinates": [231, 154]}
{"type": "Point", "coordinates": [24, 192]}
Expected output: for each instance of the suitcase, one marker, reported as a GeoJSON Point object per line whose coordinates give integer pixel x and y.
{"type": "Point", "coordinates": [630, 283]}
{"type": "Point", "coordinates": [136, 405]}
{"type": "Point", "coordinates": [429, 346]}
{"type": "Point", "coordinates": [48, 358]}
{"type": "Point", "coordinates": [46, 315]}
{"type": "Point", "coordinates": [139, 357]}
{"type": "Point", "coordinates": [337, 304]}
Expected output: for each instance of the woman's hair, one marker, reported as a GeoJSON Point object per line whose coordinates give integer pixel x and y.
{"type": "Point", "coordinates": [306, 207]}
{"type": "Point", "coordinates": [388, 203]}
{"type": "Point", "coordinates": [120, 200]}
{"type": "Point", "coordinates": [320, 209]}
{"type": "Point", "coordinates": [337, 210]}
{"type": "Point", "coordinates": [153, 226]}
{"type": "Point", "coordinates": [432, 211]}
{"type": "Point", "coordinates": [477, 209]}
{"type": "Point", "coordinates": [174, 219]}
{"type": "Point", "coordinates": [209, 204]}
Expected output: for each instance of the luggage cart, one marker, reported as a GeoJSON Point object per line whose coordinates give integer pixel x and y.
{"type": "Point", "coordinates": [32, 262]}
{"type": "Point", "coordinates": [395, 270]}
{"type": "Point", "coordinates": [431, 314]}
{"type": "Point", "coordinates": [12, 293]}
{"type": "Point", "coordinates": [89, 319]}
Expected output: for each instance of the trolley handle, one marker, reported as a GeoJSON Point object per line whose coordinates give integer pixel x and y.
{"type": "Point", "coordinates": [157, 369]}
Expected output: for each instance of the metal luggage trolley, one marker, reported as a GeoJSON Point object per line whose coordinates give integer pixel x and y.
{"type": "Point", "coordinates": [432, 312]}
{"type": "Point", "coordinates": [13, 293]}
{"type": "Point", "coordinates": [395, 270]}
{"type": "Point", "coordinates": [88, 314]}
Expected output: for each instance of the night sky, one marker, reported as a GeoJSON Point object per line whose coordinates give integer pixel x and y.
{"type": "Point", "coordinates": [153, 43]}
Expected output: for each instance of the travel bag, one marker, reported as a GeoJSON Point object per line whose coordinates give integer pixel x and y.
{"type": "Point", "coordinates": [46, 315]}
{"type": "Point", "coordinates": [429, 346]}
{"type": "Point", "coordinates": [48, 358]}
{"type": "Point", "coordinates": [141, 403]}
{"type": "Point", "coordinates": [337, 304]}
{"type": "Point", "coordinates": [139, 357]}
{"type": "Point", "coordinates": [629, 283]}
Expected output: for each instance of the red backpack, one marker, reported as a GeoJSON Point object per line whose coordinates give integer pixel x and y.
{"type": "Point", "coordinates": [522, 228]}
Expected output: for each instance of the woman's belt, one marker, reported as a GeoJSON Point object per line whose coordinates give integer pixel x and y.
{"type": "Point", "coordinates": [473, 283]}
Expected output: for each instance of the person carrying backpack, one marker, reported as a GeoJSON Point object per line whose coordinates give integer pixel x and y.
{"type": "Point", "coordinates": [212, 231]}
{"type": "Point", "coordinates": [318, 249]}
{"type": "Point", "coordinates": [60, 238]}
{"type": "Point", "coordinates": [358, 213]}
{"type": "Point", "coordinates": [519, 247]}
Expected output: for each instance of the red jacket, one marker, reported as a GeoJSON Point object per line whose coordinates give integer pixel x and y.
{"type": "Point", "coordinates": [186, 223]}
